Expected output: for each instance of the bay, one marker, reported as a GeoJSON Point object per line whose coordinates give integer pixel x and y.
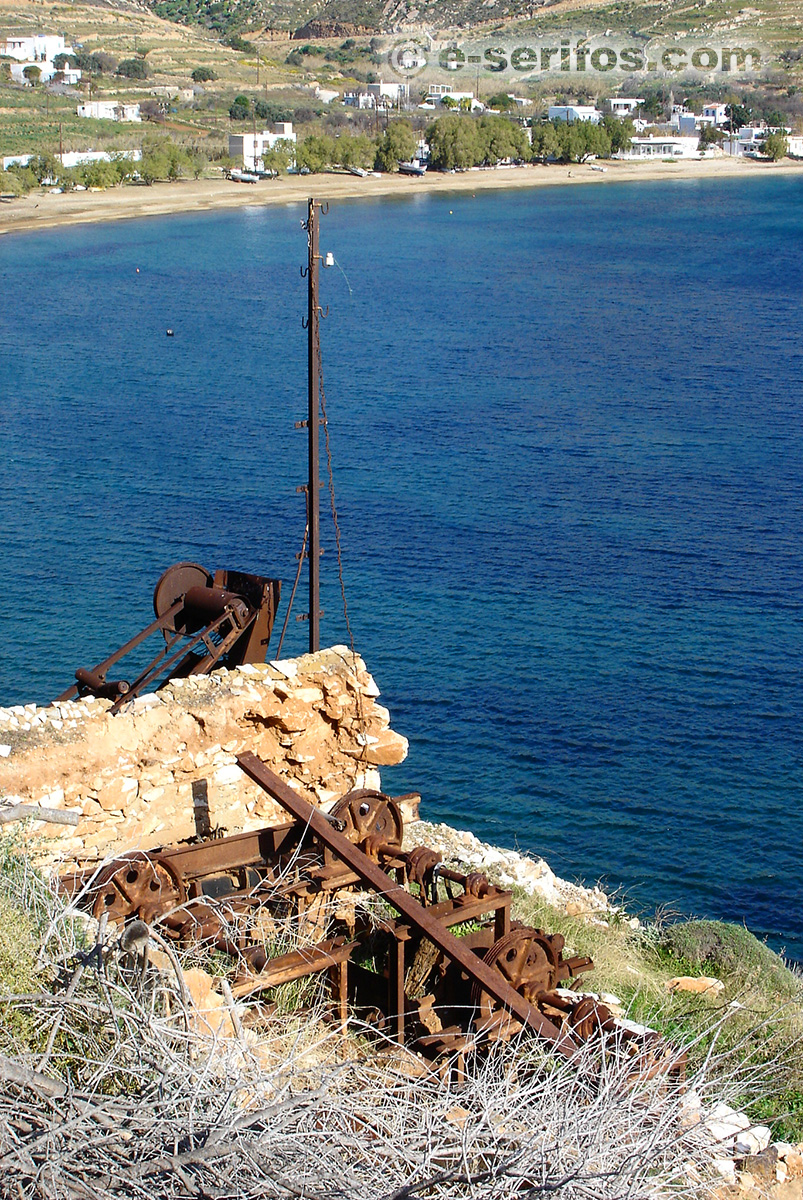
{"type": "Point", "coordinates": [566, 434]}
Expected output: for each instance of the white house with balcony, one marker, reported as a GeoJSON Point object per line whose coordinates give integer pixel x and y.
{"type": "Point", "coordinates": [38, 50]}
{"type": "Point", "coordinates": [623, 106]}
{"type": "Point", "coordinates": [716, 114]}
{"type": "Point", "coordinates": [251, 146]}
{"type": "Point", "coordinates": [109, 110]}
{"type": "Point", "coordinates": [574, 112]}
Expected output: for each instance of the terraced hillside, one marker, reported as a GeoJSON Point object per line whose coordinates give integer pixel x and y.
{"type": "Point", "coordinates": [780, 20]}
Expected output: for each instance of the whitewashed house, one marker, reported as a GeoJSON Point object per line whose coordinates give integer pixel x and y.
{"type": "Point", "coordinates": [749, 140]}
{"type": "Point", "coordinates": [661, 147]}
{"type": "Point", "coordinates": [109, 110]}
{"type": "Point", "coordinates": [360, 100]}
{"type": "Point", "coordinates": [574, 112]}
{"type": "Point", "coordinates": [623, 106]}
{"type": "Point", "coordinates": [396, 94]}
{"type": "Point", "coordinates": [251, 146]}
{"type": "Point", "coordinates": [440, 92]}
{"type": "Point", "coordinates": [716, 114]}
{"type": "Point", "coordinates": [38, 50]}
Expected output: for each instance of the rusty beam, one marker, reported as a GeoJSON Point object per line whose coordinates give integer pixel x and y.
{"type": "Point", "coordinates": [373, 875]}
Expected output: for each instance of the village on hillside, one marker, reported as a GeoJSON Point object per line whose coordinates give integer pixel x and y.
{"type": "Point", "coordinates": [380, 125]}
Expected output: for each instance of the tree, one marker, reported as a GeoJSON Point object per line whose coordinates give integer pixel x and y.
{"type": "Point", "coordinates": [32, 74]}
{"type": "Point", "coordinates": [240, 109]}
{"type": "Point", "coordinates": [278, 157]}
{"type": "Point", "coordinates": [545, 141]}
{"type": "Point", "coordinates": [397, 144]}
{"type": "Point", "coordinates": [776, 147]}
{"type": "Point", "coordinates": [315, 153]}
{"type": "Point", "coordinates": [152, 110]}
{"type": "Point", "coordinates": [198, 163]}
{"type": "Point", "coordinates": [45, 167]}
{"type": "Point", "coordinates": [61, 61]}
{"type": "Point", "coordinates": [203, 75]}
{"type": "Point", "coordinates": [357, 151]}
{"type": "Point", "coordinates": [10, 184]}
{"type": "Point", "coordinates": [240, 44]}
{"type": "Point", "coordinates": [133, 68]}
{"type": "Point", "coordinates": [454, 143]}
{"type": "Point", "coordinates": [103, 63]}
{"type": "Point", "coordinates": [619, 132]}
{"type": "Point", "coordinates": [155, 161]}
{"type": "Point", "coordinates": [99, 174]}
{"type": "Point", "coordinates": [738, 115]}
{"type": "Point", "coordinates": [267, 111]}
{"type": "Point", "coordinates": [582, 140]}
{"type": "Point", "coordinates": [502, 101]}
{"type": "Point", "coordinates": [710, 135]}
{"type": "Point", "coordinates": [500, 139]}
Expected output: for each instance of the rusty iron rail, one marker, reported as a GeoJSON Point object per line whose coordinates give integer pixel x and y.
{"type": "Point", "coordinates": [373, 875]}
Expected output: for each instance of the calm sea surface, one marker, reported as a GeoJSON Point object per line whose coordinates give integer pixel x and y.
{"type": "Point", "coordinates": [568, 447]}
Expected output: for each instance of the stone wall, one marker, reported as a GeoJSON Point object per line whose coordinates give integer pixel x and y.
{"type": "Point", "coordinates": [314, 720]}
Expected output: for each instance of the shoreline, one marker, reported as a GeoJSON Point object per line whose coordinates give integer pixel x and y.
{"type": "Point", "coordinates": [47, 211]}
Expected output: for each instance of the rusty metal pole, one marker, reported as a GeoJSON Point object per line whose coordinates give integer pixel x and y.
{"type": "Point", "coordinates": [313, 430]}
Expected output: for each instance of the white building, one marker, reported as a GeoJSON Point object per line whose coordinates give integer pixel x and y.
{"type": "Point", "coordinates": [623, 106]}
{"type": "Point", "coordinates": [109, 110]}
{"type": "Point", "coordinates": [251, 146]}
{"type": "Point", "coordinates": [38, 50]}
{"type": "Point", "coordinates": [749, 140]}
{"type": "Point", "coordinates": [379, 95]}
{"type": "Point", "coordinates": [74, 158]}
{"type": "Point", "coordinates": [440, 92]}
{"type": "Point", "coordinates": [716, 113]}
{"type": "Point", "coordinates": [683, 120]}
{"type": "Point", "coordinates": [397, 93]}
{"type": "Point", "coordinates": [661, 147]}
{"type": "Point", "coordinates": [574, 112]}
{"type": "Point", "coordinates": [359, 100]}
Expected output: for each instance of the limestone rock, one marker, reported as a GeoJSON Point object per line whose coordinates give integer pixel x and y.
{"type": "Point", "coordinates": [131, 775]}
{"type": "Point", "coordinates": [725, 1123]}
{"type": "Point", "coordinates": [703, 985]}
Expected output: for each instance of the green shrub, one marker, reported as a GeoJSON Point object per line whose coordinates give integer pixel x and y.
{"type": "Point", "coordinates": [133, 68]}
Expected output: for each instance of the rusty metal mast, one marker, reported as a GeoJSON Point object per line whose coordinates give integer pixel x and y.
{"type": "Point", "coordinates": [313, 430]}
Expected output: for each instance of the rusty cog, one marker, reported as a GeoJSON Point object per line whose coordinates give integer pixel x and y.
{"type": "Point", "coordinates": [527, 960]}
{"type": "Point", "coordinates": [369, 814]}
{"type": "Point", "coordinates": [140, 885]}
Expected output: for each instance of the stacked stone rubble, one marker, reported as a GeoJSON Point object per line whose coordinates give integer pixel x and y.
{"type": "Point", "coordinates": [315, 720]}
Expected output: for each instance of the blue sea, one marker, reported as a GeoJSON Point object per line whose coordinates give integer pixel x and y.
{"type": "Point", "coordinates": [567, 441]}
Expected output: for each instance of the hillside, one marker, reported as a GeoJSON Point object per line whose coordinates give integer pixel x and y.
{"type": "Point", "coordinates": [122, 24]}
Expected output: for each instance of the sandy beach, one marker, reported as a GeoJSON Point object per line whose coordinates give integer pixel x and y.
{"type": "Point", "coordinates": [43, 210]}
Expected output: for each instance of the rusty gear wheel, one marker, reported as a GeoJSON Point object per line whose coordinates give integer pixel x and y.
{"type": "Point", "coordinates": [527, 960]}
{"type": "Point", "coordinates": [369, 814]}
{"type": "Point", "coordinates": [141, 885]}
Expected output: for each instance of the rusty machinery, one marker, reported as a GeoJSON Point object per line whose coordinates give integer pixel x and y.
{"type": "Point", "coordinates": [207, 619]}
{"type": "Point", "coordinates": [442, 994]}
